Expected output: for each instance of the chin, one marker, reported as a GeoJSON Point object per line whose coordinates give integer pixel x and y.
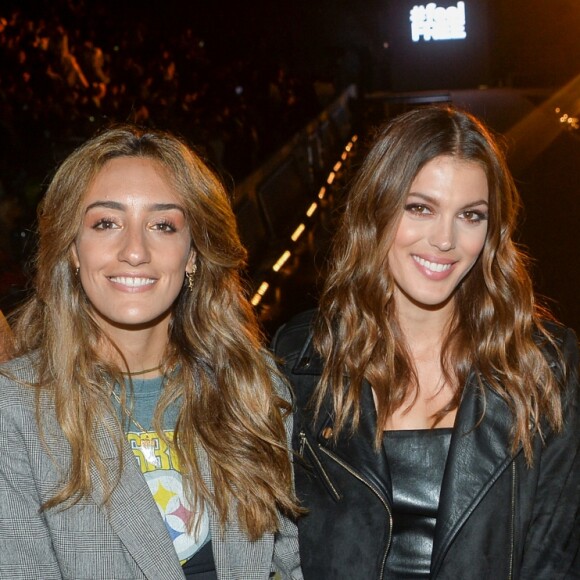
{"type": "Point", "coordinates": [134, 321]}
{"type": "Point", "coordinates": [430, 302]}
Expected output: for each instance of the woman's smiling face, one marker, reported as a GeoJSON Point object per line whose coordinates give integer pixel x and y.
{"type": "Point", "coordinates": [441, 233]}
{"type": "Point", "coordinates": [134, 245]}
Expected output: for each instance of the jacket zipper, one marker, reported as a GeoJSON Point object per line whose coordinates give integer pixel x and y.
{"type": "Point", "coordinates": [305, 443]}
{"type": "Point", "coordinates": [302, 436]}
{"type": "Point", "coordinates": [513, 521]}
{"type": "Point", "coordinates": [376, 492]}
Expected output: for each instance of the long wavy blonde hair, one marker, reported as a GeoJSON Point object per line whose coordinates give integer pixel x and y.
{"type": "Point", "coordinates": [214, 355]}
{"type": "Point", "coordinates": [497, 324]}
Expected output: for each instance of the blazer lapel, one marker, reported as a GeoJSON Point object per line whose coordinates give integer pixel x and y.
{"type": "Point", "coordinates": [133, 513]}
{"type": "Point", "coordinates": [221, 539]}
{"type": "Point", "coordinates": [479, 451]}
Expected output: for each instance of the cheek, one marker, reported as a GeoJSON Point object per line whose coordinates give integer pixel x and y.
{"type": "Point", "coordinates": [474, 243]}
{"type": "Point", "coordinates": [183, 257]}
{"type": "Point", "coordinates": [88, 253]}
{"type": "Point", "coordinates": [407, 234]}
{"type": "Point", "coordinates": [81, 253]}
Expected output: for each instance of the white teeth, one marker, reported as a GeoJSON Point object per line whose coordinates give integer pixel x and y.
{"type": "Point", "coordinates": [131, 281]}
{"type": "Point", "coordinates": [433, 266]}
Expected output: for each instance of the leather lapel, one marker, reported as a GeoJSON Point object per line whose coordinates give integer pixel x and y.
{"type": "Point", "coordinates": [133, 513]}
{"type": "Point", "coordinates": [355, 450]}
{"type": "Point", "coordinates": [479, 451]}
{"type": "Point", "coordinates": [358, 450]}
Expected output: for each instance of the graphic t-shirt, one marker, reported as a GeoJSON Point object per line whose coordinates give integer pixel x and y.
{"type": "Point", "coordinates": [160, 468]}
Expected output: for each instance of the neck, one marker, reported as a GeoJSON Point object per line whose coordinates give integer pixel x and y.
{"type": "Point", "coordinates": [425, 328]}
{"type": "Point", "coordinates": [139, 352]}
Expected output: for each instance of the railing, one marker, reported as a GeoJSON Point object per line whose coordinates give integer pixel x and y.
{"type": "Point", "coordinates": [278, 203]}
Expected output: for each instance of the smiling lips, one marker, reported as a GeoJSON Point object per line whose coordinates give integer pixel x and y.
{"type": "Point", "coordinates": [132, 281]}
{"type": "Point", "coordinates": [434, 267]}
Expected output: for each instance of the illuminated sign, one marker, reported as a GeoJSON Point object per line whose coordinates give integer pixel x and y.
{"type": "Point", "coordinates": [433, 22]}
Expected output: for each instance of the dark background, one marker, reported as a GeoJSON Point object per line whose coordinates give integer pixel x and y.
{"type": "Point", "coordinates": [529, 42]}
{"type": "Point", "coordinates": [529, 47]}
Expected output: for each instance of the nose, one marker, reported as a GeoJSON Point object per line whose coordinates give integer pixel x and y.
{"type": "Point", "coordinates": [134, 247]}
{"type": "Point", "coordinates": [442, 235]}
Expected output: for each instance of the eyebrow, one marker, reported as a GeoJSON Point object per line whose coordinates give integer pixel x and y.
{"type": "Point", "coordinates": [121, 207]}
{"type": "Point", "coordinates": [435, 201]}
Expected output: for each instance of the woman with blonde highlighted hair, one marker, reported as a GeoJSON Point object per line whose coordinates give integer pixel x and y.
{"type": "Point", "coordinates": [145, 429]}
{"type": "Point", "coordinates": [437, 404]}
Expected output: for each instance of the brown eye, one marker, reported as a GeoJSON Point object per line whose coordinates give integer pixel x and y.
{"type": "Point", "coordinates": [417, 209]}
{"type": "Point", "coordinates": [165, 226]}
{"type": "Point", "coordinates": [474, 216]}
{"type": "Point", "coordinates": [104, 224]}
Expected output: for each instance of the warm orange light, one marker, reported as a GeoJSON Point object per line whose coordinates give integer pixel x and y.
{"type": "Point", "coordinates": [256, 299]}
{"type": "Point", "coordinates": [281, 261]}
{"type": "Point", "coordinates": [330, 178]}
{"type": "Point", "coordinates": [298, 232]}
{"type": "Point", "coordinates": [322, 193]}
{"type": "Point", "coordinates": [310, 211]}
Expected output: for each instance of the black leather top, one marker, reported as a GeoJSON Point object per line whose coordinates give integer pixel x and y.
{"type": "Point", "coordinates": [416, 462]}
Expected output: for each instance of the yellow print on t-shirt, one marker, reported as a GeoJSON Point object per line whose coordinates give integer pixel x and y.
{"type": "Point", "coordinates": [152, 452]}
{"type": "Point", "coordinates": [160, 467]}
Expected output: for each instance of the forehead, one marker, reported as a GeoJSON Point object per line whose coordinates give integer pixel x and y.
{"type": "Point", "coordinates": [446, 175]}
{"type": "Point", "coordinates": [132, 179]}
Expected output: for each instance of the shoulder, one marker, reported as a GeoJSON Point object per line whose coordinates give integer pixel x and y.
{"type": "Point", "coordinates": [563, 355]}
{"type": "Point", "coordinates": [562, 336]}
{"type": "Point", "coordinates": [292, 337]}
{"type": "Point", "coordinates": [280, 385]}
{"type": "Point", "coordinates": [18, 399]}
{"type": "Point", "coordinates": [17, 377]}
{"type": "Point", "coordinates": [560, 346]}
{"type": "Point", "coordinates": [278, 382]}
{"type": "Point", "coordinates": [297, 358]}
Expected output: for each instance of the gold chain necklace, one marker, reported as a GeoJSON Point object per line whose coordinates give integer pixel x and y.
{"type": "Point", "coordinates": [148, 443]}
{"type": "Point", "coordinates": [143, 372]}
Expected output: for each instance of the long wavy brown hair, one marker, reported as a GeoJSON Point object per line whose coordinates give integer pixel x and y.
{"type": "Point", "coordinates": [214, 358]}
{"type": "Point", "coordinates": [496, 328]}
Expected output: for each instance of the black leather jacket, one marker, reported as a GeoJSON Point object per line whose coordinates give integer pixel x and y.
{"type": "Point", "coordinates": [497, 518]}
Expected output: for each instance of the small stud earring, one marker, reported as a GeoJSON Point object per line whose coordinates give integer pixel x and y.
{"type": "Point", "coordinates": [77, 270]}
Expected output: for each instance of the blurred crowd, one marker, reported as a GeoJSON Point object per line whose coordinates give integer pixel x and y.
{"type": "Point", "coordinates": [69, 67]}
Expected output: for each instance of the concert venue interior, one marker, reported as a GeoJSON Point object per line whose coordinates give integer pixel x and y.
{"type": "Point", "coordinates": [282, 98]}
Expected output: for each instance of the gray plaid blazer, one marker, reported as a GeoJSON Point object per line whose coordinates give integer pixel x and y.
{"type": "Point", "coordinates": [125, 539]}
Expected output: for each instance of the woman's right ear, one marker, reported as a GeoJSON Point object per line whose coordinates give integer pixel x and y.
{"type": "Point", "coordinates": [75, 257]}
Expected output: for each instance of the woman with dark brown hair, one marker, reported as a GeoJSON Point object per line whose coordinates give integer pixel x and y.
{"type": "Point", "coordinates": [145, 429]}
{"type": "Point", "coordinates": [437, 404]}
